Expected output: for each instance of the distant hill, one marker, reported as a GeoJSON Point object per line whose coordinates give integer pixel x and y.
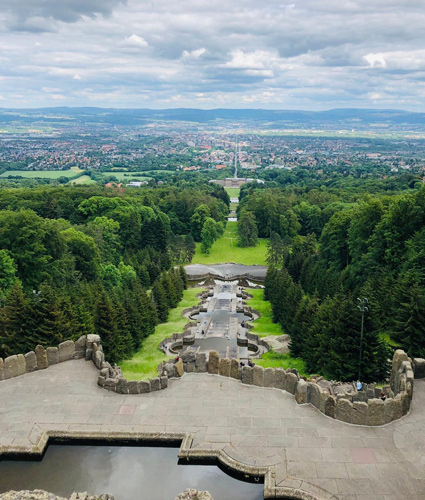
{"type": "Point", "coordinates": [279, 118]}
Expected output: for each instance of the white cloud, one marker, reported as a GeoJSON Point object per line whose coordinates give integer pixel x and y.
{"type": "Point", "coordinates": [76, 77]}
{"type": "Point", "coordinates": [194, 53]}
{"type": "Point", "coordinates": [134, 41]}
{"type": "Point", "coordinates": [376, 60]}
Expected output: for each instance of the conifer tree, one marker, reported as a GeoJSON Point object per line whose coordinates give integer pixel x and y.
{"type": "Point", "coordinates": [105, 326]}
{"type": "Point", "coordinates": [160, 300]}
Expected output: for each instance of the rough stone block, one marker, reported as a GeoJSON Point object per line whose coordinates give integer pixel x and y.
{"type": "Point", "coordinates": [301, 390]}
{"type": "Point", "coordinates": [201, 362]}
{"type": "Point", "coordinates": [52, 356]}
{"type": "Point", "coordinates": [344, 410]}
{"type": "Point", "coordinates": [11, 367]}
{"type": "Point", "coordinates": [133, 387]}
{"type": "Point", "coordinates": [398, 358]}
{"type": "Point", "coordinates": [80, 348]}
{"type": "Point", "coordinates": [189, 367]}
{"type": "Point", "coordinates": [155, 384]}
{"type": "Point", "coordinates": [360, 413]}
{"type": "Point", "coordinates": [98, 359]}
{"type": "Point", "coordinates": [235, 369]}
{"type": "Point", "coordinates": [179, 368]}
{"type": "Point", "coordinates": [104, 372]}
{"type": "Point", "coordinates": [246, 375]}
{"type": "Point", "coordinates": [122, 386]}
{"type": "Point", "coordinates": [389, 408]}
{"type": "Point", "coordinates": [1, 369]}
{"type": "Point", "coordinates": [213, 362]}
{"type": "Point", "coordinates": [258, 376]}
{"type": "Point", "coordinates": [224, 367]}
{"type": "Point", "coordinates": [291, 382]}
{"type": "Point", "coordinates": [398, 409]}
{"type": "Point", "coordinates": [89, 354]}
{"type": "Point", "coordinates": [315, 398]}
{"type": "Point", "coordinates": [269, 377]}
{"type": "Point", "coordinates": [66, 350]}
{"type": "Point", "coordinates": [30, 362]}
{"type": "Point", "coordinates": [376, 412]}
{"type": "Point", "coordinates": [41, 355]}
{"type": "Point", "coordinates": [164, 382]}
{"type": "Point", "coordinates": [405, 403]}
{"type": "Point", "coordinates": [330, 406]}
{"type": "Point", "coordinates": [111, 384]}
{"type": "Point", "coordinates": [144, 386]}
{"type": "Point", "coordinates": [419, 367]}
{"type": "Point", "coordinates": [280, 378]}
{"type": "Point", "coordinates": [169, 369]}
{"type": "Point", "coordinates": [101, 381]}
{"type": "Point", "coordinates": [92, 339]}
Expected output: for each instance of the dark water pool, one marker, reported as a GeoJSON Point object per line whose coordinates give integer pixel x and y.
{"type": "Point", "coordinates": [127, 472]}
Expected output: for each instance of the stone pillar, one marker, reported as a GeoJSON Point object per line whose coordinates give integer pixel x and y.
{"type": "Point", "coordinates": [235, 369]}
{"type": "Point", "coordinates": [213, 362]}
{"type": "Point", "coordinates": [269, 377]}
{"type": "Point", "coordinates": [224, 367]}
{"type": "Point", "coordinates": [246, 375]}
{"type": "Point", "coordinates": [30, 362]}
{"type": "Point", "coordinates": [22, 367]}
{"type": "Point", "coordinates": [41, 356]}
{"type": "Point", "coordinates": [11, 367]}
{"type": "Point", "coordinates": [301, 392]}
{"type": "Point", "coordinates": [66, 350]}
{"type": "Point", "coordinates": [258, 376]}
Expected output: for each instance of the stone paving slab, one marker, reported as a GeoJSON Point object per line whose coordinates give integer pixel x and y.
{"type": "Point", "coordinates": [254, 426]}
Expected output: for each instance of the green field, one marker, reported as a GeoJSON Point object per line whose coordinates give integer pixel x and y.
{"type": "Point", "coordinates": [129, 176]}
{"type": "Point", "coordinates": [44, 174]}
{"type": "Point", "coordinates": [264, 327]}
{"type": "Point", "coordinates": [83, 179]}
{"type": "Point", "coordinates": [143, 364]}
{"type": "Point", "coordinates": [233, 192]}
{"type": "Point", "coordinates": [226, 250]}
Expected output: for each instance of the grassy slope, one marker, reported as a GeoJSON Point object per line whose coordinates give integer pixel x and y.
{"type": "Point", "coordinates": [83, 179]}
{"type": "Point", "coordinates": [143, 364]}
{"type": "Point", "coordinates": [233, 192]}
{"type": "Point", "coordinates": [226, 250]}
{"type": "Point", "coordinates": [263, 327]}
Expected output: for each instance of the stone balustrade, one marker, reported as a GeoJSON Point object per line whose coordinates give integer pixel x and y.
{"type": "Point", "coordinates": [362, 408]}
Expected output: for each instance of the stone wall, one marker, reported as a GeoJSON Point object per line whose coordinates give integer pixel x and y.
{"type": "Point", "coordinates": [363, 407]}
{"type": "Point", "coordinates": [44, 495]}
{"type": "Point", "coordinates": [42, 358]}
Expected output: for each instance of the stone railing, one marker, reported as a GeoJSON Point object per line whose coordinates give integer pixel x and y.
{"type": "Point", "coordinates": [42, 358]}
{"type": "Point", "coordinates": [363, 407]}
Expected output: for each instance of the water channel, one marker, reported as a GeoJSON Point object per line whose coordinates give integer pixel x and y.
{"type": "Point", "coordinates": [127, 472]}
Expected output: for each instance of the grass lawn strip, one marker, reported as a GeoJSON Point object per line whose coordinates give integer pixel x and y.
{"type": "Point", "coordinates": [233, 192]}
{"type": "Point", "coordinates": [225, 249]}
{"type": "Point", "coordinates": [263, 327]}
{"type": "Point", "coordinates": [143, 364]}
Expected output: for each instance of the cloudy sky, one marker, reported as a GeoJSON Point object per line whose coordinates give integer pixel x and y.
{"type": "Point", "coordinates": [282, 54]}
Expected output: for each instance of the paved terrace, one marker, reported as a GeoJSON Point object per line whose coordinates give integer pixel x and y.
{"type": "Point", "coordinates": [255, 426]}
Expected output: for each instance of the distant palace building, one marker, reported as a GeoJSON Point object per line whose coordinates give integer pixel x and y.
{"type": "Point", "coordinates": [233, 182]}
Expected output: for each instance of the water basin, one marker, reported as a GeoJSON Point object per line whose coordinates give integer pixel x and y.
{"type": "Point", "coordinates": [127, 472]}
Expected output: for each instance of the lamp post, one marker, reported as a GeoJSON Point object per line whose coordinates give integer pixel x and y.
{"type": "Point", "coordinates": [362, 307]}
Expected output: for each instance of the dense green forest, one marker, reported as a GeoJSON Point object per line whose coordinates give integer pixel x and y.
{"type": "Point", "coordinates": [331, 245]}
{"type": "Point", "coordinates": [77, 260]}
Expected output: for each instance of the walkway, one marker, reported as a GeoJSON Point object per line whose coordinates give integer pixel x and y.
{"type": "Point", "coordinates": [255, 426]}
